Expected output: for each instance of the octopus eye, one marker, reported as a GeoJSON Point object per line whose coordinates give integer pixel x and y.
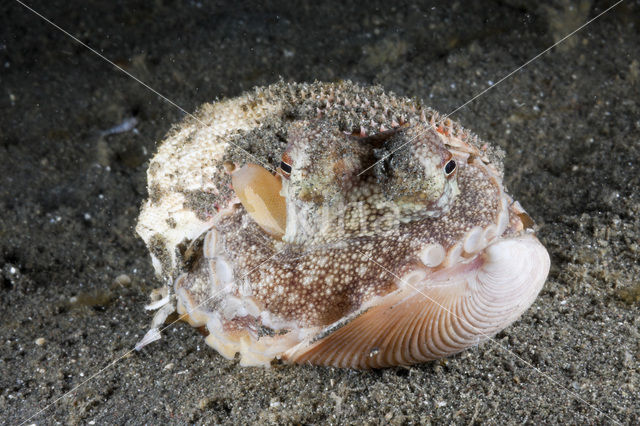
{"type": "Point", "coordinates": [285, 166]}
{"type": "Point", "coordinates": [449, 168]}
{"type": "Point", "coordinates": [285, 169]}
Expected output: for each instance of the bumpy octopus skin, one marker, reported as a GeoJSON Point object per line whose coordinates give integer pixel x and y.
{"type": "Point", "coordinates": [278, 239]}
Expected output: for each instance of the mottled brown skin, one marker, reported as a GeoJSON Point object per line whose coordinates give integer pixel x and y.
{"type": "Point", "coordinates": [328, 274]}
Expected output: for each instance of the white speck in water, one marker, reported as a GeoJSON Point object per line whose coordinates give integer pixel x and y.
{"type": "Point", "coordinates": [127, 125]}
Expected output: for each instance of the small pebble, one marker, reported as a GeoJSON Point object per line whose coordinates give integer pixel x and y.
{"type": "Point", "coordinates": [274, 403]}
{"type": "Point", "coordinates": [122, 279]}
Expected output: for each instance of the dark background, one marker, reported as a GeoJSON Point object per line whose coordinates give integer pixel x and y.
{"type": "Point", "coordinates": [569, 123]}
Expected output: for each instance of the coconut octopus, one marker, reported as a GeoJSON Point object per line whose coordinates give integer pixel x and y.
{"type": "Point", "coordinates": [335, 224]}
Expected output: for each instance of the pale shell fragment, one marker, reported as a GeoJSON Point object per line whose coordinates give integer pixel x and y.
{"type": "Point", "coordinates": [259, 192]}
{"type": "Point", "coordinates": [151, 336]}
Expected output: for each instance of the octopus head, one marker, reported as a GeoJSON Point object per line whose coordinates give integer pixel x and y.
{"type": "Point", "coordinates": [330, 183]}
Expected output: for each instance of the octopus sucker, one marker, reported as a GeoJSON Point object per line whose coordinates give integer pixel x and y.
{"type": "Point", "coordinates": [336, 224]}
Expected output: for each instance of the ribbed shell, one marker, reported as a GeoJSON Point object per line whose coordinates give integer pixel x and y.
{"type": "Point", "coordinates": [439, 316]}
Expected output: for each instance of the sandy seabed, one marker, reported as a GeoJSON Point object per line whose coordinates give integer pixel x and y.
{"type": "Point", "coordinates": [75, 277]}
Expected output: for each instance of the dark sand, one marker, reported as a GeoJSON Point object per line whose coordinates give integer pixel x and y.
{"type": "Point", "coordinates": [569, 123]}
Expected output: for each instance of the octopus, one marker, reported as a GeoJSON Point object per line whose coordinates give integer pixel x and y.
{"type": "Point", "coordinates": [335, 224]}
